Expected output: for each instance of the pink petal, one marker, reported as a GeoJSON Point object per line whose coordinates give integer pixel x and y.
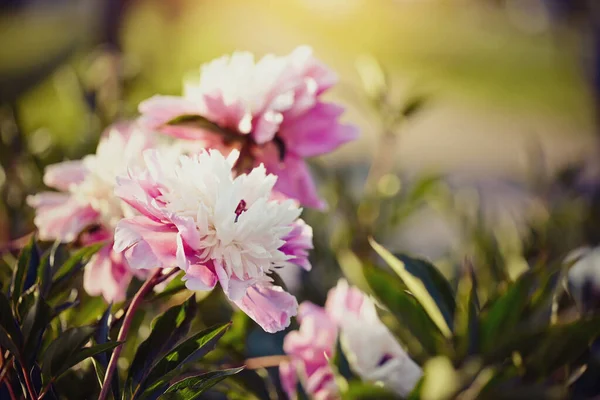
{"type": "Point", "coordinates": [270, 306]}
{"type": "Point", "coordinates": [234, 288]}
{"type": "Point", "coordinates": [293, 179]}
{"type": "Point", "coordinates": [317, 131]}
{"type": "Point", "coordinates": [158, 110]}
{"type": "Point", "coordinates": [59, 216]}
{"type": "Point", "coordinates": [200, 277]}
{"type": "Point", "coordinates": [289, 380]}
{"type": "Point", "coordinates": [297, 244]}
{"type": "Point", "coordinates": [64, 174]}
{"type": "Point", "coordinates": [146, 244]}
{"type": "Point", "coordinates": [107, 275]}
{"type": "Point", "coordinates": [344, 299]}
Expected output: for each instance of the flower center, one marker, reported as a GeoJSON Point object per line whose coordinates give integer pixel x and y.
{"type": "Point", "coordinates": [386, 357]}
{"type": "Point", "coordinates": [241, 207]}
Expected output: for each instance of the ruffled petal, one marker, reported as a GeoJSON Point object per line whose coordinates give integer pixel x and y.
{"type": "Point", "coordinates": [317, 131]}
{"type": "Point", "coordinates": [107, 275]}
{"type": "Point", "coordinates": [269, 306]}
{"type": "Point", "coordinates": [59, 216]}
{"type": "Point", "coordinates": [146, 244]}
{"type": "Point", "coordinates": [294, 179]}
{"type": "Point", "coordinates": [63, 175]}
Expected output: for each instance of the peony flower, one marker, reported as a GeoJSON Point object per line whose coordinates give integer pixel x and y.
{"type": "Point", "coordinates": [270, 109]}
{"type": "Point", "coordinates": [309, 350]}
{"type": "Point", "coordinates": [85, 200]}
{"type": "Point", "coordinates": [217, 227]}
{"type": "Point", "coordinates": [371, 350]}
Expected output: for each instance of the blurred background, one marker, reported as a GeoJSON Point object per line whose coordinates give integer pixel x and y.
{"type": "Point", "coordinates": [479, 118]}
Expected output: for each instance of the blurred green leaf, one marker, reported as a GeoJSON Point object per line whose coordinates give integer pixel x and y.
{"type": "Point", "coordinates": [77, 261]}
{"type": "Point", "coordinates": [504, 314]}
{"type": "Point", "coordinates": [167, 330]}
{"type": "Point", "coordinates": [435, 283]}
{"type": "Point", "coordinates": [190, 350]}
{"type": "Point", "coordinates": [562, 345]}
{"type": "Point", "coordinates": [174, 286]}
{"type": "Point", "coordinates": [367, 391]}
{"type": "Point", "coordinates": [466, 321]}
{"type": "Point", "coordinates": [408, 311]}
{"type": "Point", "coordinates": [416, 284]}
{"type": "Point", "coordinates": [192, 388]}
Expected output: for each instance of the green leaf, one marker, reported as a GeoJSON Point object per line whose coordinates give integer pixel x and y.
{"type": "Point", "coordinates": [192, 388]}
{"type": "Point", "coordinates": [436, 284]}
{"type": "Point", "coordinates": [9, 323]}
{"type": "Point", "coordinates": [418, 285]}
{"type": "Point", "coordinates": [188, 351]}
{"type": "Point", "coordinates": [60, 351]}
{"type": "Point", "coordinates": [167, 330]}
{"type": "Point", "coordinates": [23, 265]}
{"type": "Point", "coordinates": [77, 261]}
{"type": "Point", "coordinates": [563, 344]}
{"type": "Point", "coordinates": [176, 285]}
{"type": "Point", "coordinates": [505, 312]}
{"type": "Point", "coordinates": [367, 391]}
{"type": "Point", "coordinates": [44, 275]}
{"type": "Point", "coordinates": [100, 360]}
{"type": "Point", "coordinates": [409, 313]}
{"type": "Point", "coordinates": [7, 342]}
{"type": "Point", "coordinates": [466, 322]}
{"type": "Point", "coordinates": [34, 324]}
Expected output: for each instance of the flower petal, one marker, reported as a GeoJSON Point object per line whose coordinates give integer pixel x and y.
{"type": "Point", "coordinates": [270, 306]}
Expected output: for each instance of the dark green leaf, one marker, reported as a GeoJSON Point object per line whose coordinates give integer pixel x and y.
{"type": "Point", "coordinates": [192, 388]}
{"type": "Point", "coordinates": [77, 261]}
{"type": "Point", "coordinates": [9, 323]}
{"type": "Point", "coordinates": [32, 266]}
{"type": "Point", "coordinates": [65, 306]}
{"type": "Point", "coordinates": [167, 330]}
{"type": "Point", "coordinates": [7, 342]}
{"type": "Point", "coordinates": [409, 313]}
{"type": "Point", "coordinates": [186, 352]}
{"type": "Point", "coordinates": [419, 280]}
{"type": "Point", "coordinates": [435, 283]}
{"type": "Point", "coordinates": [60, 351]}
{"type": "Point", "coordinates": [34, 324]}
{"type": "Point", "coordinates": [21, 272]}
{"type": "Point", "coordinates": [83, 354]}
{"type": "Point", "coordinates": [44, 275]}
{"type": "Point", "coordinates": [563, 344]}
{"type": "Point", "coordinates": [100, 360]}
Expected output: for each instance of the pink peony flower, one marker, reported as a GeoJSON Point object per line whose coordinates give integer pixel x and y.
{"type": "Point", "coordinates": [270, 109]}
{"type": "Point", "coordinates": [86, 200]}
{"type": "Point", "coordinates": [309, 349]}
{"type": "Point", "coordinates": [217, 227]}
{"type": "Point", "coordinates": [372, 351]}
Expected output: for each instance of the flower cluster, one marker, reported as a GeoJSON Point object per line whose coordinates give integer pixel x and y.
{"type": "Point", "coordinates": [227, 211]}
{"type": "Point", "coordinates": [372, 351]}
